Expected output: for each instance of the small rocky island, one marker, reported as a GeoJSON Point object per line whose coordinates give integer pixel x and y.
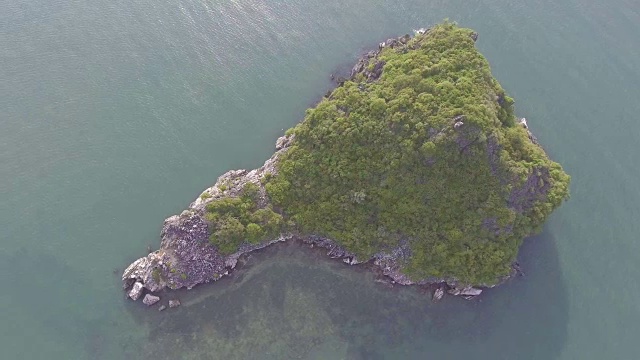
{"type": "Point", "coordinates": [415, 164]}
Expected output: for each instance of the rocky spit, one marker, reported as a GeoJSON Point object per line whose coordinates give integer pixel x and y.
{"type": "Point", "coordinates": [186, 258]}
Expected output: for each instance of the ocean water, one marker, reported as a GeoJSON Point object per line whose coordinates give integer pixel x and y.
{"type": "Point", "coordinates": [115, 115]}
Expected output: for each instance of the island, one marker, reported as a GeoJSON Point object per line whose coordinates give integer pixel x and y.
{"type": "Point", "coordinates": [414, 164]}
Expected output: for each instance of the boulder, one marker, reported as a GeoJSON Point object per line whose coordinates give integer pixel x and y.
{"type": "Point", "coordinates": [174, 303]}
{"type": "Point", "coordinates": [438, 294]}
{"type": "Point", "coordinates": [466, 291]}
{"type": "Point", "coordinates": [470, 291]}
{"type": "Point", "coordinates": [136, 291]}
{"type": "Point", "coordinates": [162, 307]}
{"type": "Point", "coordinates": [143, 271]}
{"type": "Point", "coordinates": [150, 299]}
{"type": "Point", "coordinates": [351, 260]}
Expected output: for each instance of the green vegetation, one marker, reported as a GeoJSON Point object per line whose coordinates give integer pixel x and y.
{"type": "Point", "coordinates": [429, 156]}
{"type": "Point", "coordinates": [155, 274]}
{"type": "Point", "coordinates": [377, 163]}
{"type": "Point", "coordinates": [236, 219]}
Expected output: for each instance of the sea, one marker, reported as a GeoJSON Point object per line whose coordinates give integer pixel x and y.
{"type": "Point", "coordinates": [116, 114]}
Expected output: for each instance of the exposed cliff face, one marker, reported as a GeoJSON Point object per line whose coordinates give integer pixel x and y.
{"type": "Point", "coordinates": [187, 257]}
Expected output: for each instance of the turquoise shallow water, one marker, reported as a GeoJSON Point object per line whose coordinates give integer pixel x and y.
{"type": "Point", "coordinates": [116, 115]}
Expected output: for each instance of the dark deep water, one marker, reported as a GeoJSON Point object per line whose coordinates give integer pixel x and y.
{"type": "Point", "coordinates": [115, 115]}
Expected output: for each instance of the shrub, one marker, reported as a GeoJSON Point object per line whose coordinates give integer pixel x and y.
{"type": "Point", "coordinates": [236, 219]}
{"type": "Point", "coordinates": [254, 233]}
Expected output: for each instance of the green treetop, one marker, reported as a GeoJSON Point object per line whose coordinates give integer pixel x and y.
{"type": "Point", "coordinates": [430, 155]}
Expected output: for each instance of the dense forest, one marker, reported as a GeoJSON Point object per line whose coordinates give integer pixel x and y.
{"type": "Point", "coordinates": [426, 155]}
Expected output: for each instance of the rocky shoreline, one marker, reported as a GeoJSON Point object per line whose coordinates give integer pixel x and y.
{"type": "Point", "coordinates": [186, 258]}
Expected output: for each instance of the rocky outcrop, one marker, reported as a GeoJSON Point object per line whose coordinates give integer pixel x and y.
{"type": "Point", "coordinates": [438, 294]}
{"type": "Point", "coordinates": [523, 123]}
{"type": "Point", "coordinates": [467, 292]}
{"type": "Point", "coordinates": [370, 67]}
{"type": "Point", "coordinates": [186, 258]}
{"type": "Point", "coordinates": [136, 290]}
{"type": "Point", "coordinates": [524, 194]}
{"type": "Point", "coordinates": [150, 299]}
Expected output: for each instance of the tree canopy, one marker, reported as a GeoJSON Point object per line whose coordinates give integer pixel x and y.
{"type": "Point", "coordinates": [429, 154]}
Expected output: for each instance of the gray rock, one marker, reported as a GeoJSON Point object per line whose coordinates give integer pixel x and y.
{"type": "Point", "coordinates": [392, 43]}
{"type": "Point", "coordinates": [136, 291]}
{"type": "Point", "coordinates": [143, 270]}
{"type": "Point", "coordinates": [284, 141]}
{"type": "Point", "coordinates": [438, 294]}
{"type": "Point", "coordinates": [174, 303]}
{"type": "Point", "coordinates": [517, 269]}
{"type": "Point", "coordinates": [351, 260]}
{"type": "Point", "coordinates": [459, 118]}
{"type": "Point", "coordinates": [184, 248]}
{"type": "Point", "coordinates": [162, 307]}
{"type": "Point", "coordinates": [375, 73]}
{"type": "Point", "coordinates": [150, 299]}
{"type": "Point", "coordinates": [466, 291]}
